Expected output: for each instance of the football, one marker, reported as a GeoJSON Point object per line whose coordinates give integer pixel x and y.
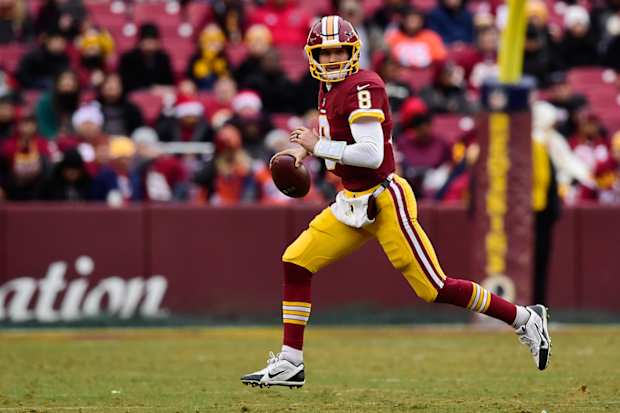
{"type": "Point", "coordinates": [291, 180]}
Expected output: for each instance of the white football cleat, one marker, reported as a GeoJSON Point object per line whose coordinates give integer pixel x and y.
{"type": "Point", "coordinates": [279, 372]}
{"type": "Point", "coordinates": [535, 335]}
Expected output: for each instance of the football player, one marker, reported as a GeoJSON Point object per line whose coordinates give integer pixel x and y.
{"type": "Point", "coordinates": [354, 139]}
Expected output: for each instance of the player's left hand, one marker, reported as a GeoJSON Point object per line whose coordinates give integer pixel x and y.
{"type": "Point", "coordinates": [305, 137]}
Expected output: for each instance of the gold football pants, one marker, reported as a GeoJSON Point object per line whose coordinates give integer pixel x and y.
{"type": "Point", "coordinates": [396, 228]}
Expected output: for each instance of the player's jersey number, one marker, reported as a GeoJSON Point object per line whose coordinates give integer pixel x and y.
{"type": "Point", "coordinates": [363, 99]}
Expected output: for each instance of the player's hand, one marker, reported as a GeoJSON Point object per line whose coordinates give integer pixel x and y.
{"type": "Point", "coordinates": [305, 137]}
{"type": "Point", "coordinates": [298, 153]}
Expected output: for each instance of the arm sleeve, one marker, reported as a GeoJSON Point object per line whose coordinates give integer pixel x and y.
{"type": "Point", "coordinates": [367, 151]}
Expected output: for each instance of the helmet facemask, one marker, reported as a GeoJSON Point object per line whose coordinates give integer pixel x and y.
{"type": "Point", "coordinates": [334, 71]}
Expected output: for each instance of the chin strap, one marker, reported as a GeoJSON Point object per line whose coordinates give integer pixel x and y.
{"type": "Point", "coordinates": [329, 149]}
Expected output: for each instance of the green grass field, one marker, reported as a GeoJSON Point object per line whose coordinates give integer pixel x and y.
{"type": "Point", "coordinates": [371, 369]}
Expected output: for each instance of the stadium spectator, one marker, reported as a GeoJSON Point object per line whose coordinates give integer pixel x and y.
{"type": "Point", "coordinates": [412, 45]}
{"type": "Point", "coordinates": [538, 56]}
{"type": "Point", "coordinates": [258, 40]}
{"type": "Point", "coordinates": [252, 122]}
{"type": "Point", "coordinates": [353, 12]}
{"type": "Point", "coordinates": [448, 92]}
{"type": "Point", "coordinates": [120, 116]}
{"type": "Point", "coordinates": [483, 64]}
{"type": "Point", "coordinates": [397, 90]}
{"type": "Point", "coordinates": [115, 182]}
{"type": "Point", "coordinates": [95, 46]}
{"type": "Point", "coordinates": [87, 136]}
{"type": "Point", "coordinates": [27, 158]}
{"type": "Point", "coordinates": [230, 17]}
{"type": "Point", "coordinates": [69, 180]}
{"type": "Point", "coordinates": [452, 21]}
{"type": "Point", "coordinates": [388, 16]}
{"type": "Point", "coordinates": [187, 122]}
{"type": "Point", "coordinates": [147, 64]}
{"type": "Point", "coordinates": [579, 44]}
{"type": "Point", "coordinates": [55, 108]}
{"type": "Point", "coordinates": [425, 157]}
{"type": "Point", "coordinates": [209, 62]}
{"type": "Point", "coordinates": [567, 102]}
{"type": "Point", "coordinates": [569, 168]}
{"type": "Point", "coordinates": [38, 67]}
{"type": "Point", "coordinates": [15, 22]}
{"type": "Point", "coordinates": [161, 177]}
{"type": "Point", "coordinates": [219, 109]}
{"type": "Point", "coordinates": [287, 21]}
{"type": "Point", "coordinates": [271, 83]}
{"type": "Point", "coordinates": [62, 15]}
{"type": "Point", "coordinates": [591, 145]}
{"type": "Point", "coordinates": [228, 179]}
{"type": "Point", "coordinates": [8, 119]}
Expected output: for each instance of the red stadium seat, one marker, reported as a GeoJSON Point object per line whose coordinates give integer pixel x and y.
{"type": "Point", "coordinates": [150, 104]}
{"type": "Point", "coordinates": [451, 127]}
{"type": "Point", "coordinates": [11, 55]}
{"type": "Point", "coordinates": [294, 61]}
{"type": "Point", "coordinates": [417, 78]}
{"type": "Point", "coordinates": [371, 6]}
{"type": "Point", "coordinates": [180, 50]}
{"type": "Point", "coordinates": [236, 53]}
{"type": "Point", "coordinates": [198, 13]}
{"type": "Point", "coordinates": [583, 77]}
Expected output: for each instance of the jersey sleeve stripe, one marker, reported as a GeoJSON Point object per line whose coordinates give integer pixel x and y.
{"type": "Point", "coordinates": [361, 113]}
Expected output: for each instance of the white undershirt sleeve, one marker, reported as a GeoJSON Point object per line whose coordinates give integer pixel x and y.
{"type": "Point", "coordinates": [367, 151]}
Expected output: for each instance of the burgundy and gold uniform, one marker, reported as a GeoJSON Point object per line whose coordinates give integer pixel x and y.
{"type": "Point", "coordinates": [348, 95]}
{"type": "Point", "coordinates": [359, 95]}
{"type": "Point", "coordinates": [354, 114]}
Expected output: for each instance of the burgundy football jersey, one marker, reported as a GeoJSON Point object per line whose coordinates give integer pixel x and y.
{"type": "Point", "coordinates": [361, 94]}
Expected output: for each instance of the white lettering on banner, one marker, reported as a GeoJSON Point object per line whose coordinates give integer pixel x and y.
{"type": "Point", "coordinates": [124, 298]}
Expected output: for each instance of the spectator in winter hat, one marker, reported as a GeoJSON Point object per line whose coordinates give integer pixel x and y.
{"type": "Point", "coordinates": [579, 46]}
{"type": "Point", "coordinates": [88, 137]}
{"type": "Point", "coordinates": [252, 122]}
{"type": "Point", "coordinates": [115, 182]}
{"type": "Point", "coordinates": [95, 46]}
{"type": "Point", "coordinates": [39, 67]}
{"type": "Point", "coordinates": [147, 64]}
{"type": "Point", "coordinates": [539, 56]}
{"type": "Point", "coordinates": [28, 160]}
{"type": "Point", "coordinates": [448, 92]}
{"type": "Point", "coordinates": [422, 151]}
{"type": "Point", "coordinates": [69, 180]}
{"type": "Point", "coordinates": [186, 123]}
{"type": "Point", "coordinates": [209, 62]}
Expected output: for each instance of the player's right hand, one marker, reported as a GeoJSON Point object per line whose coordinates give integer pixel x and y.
{"type": "Point", "coordinates": [298, 153]}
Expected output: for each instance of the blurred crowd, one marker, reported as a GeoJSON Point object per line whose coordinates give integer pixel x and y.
{"type": "Point", "coordinates": [93, 110]}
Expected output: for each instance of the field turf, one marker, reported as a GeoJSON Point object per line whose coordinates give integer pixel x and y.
{"type": "Point", "coordinates": [375, 369]}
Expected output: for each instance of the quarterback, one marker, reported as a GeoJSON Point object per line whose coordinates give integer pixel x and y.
{"type": "Point", "coordinates": [354, 139]}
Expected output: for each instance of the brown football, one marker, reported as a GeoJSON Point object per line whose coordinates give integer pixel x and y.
{"type": "Point", "coordinates": [290, 180]}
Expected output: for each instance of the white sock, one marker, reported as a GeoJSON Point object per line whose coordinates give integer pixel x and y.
{"type": "Point", "coordinates": [522, 316]}
{"type": "Point", "coordinates": [292, 354]}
